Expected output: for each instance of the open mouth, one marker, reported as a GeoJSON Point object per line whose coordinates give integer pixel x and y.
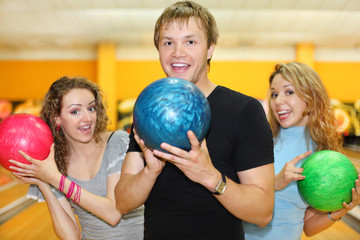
{"type": "Point", "coordinates": [180, 66]}
{"type": "Point", "coordinates": [85, 129]}
{"type": "Point", "coordinates": [283, 114]}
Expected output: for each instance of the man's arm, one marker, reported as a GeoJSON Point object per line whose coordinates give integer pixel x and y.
{"type": "Point", "coordinates": [134, 185]}
{"type": "Point", "coordinates": [136, 179]}
{"type": "Point", "coordinates": [251, 201]}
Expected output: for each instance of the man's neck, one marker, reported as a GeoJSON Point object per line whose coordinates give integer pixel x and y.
{"type": "Point", "coordinates": [206, 87]}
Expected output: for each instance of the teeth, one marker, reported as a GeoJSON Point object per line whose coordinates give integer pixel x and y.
{"type": "Point", "coordinates": [87, 127]}
{"type": "Point", "coordinates": [179, 64]}
{"type": "Point", "coordinates": [283, 112]}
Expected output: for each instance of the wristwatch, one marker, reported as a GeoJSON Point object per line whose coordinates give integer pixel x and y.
{"type": "Point", "coordinates": [332, 220]}
{"type": "Point", "coordinates": [220, 188]}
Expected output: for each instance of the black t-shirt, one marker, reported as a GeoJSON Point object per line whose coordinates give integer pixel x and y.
{"type": "Point", "coordinates": [239, 138]}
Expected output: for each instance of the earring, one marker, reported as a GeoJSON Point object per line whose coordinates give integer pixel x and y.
{"type": "Point", "coordinates": [58, 126]}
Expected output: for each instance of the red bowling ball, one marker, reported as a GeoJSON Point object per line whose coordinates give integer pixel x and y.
{"type": "Point", "coordinates": [25, 132]}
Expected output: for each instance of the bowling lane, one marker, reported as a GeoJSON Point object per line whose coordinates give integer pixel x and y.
{"type": "Point", "coordinates": [353, 217]}
{"type": "Point", "coordinates": [354, 156]}
{"type": "Point", "coordinates": [339, 231]}
{"type": "Point", "coordinates": [33, 223]}
{"type": "Point", "coordinates": [11, 192]}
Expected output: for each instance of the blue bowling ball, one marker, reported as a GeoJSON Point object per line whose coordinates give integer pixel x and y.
{"type": "Point", "coordinates": [166, 109]}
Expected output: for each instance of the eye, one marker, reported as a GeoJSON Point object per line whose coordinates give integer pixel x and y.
{"type": "Point", "coordinates": [273, 95]}
{"type": "Point", "coordinates": [167, 43]}
{"type": "Point", "coordinates": [74, 112]}
{"type": "Point", "coordinates": [92, 109]}
{"type": "Point", "coordinates": [289, 92]}
{"type": "Point", "coordinates": [191, 42]}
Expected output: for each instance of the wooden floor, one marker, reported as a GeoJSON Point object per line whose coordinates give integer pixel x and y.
{"type": "Point", "coordinates": [34, 223]}
{"type": "Point", "coordinates": [339, 231]}
{"type": "Point", "coordinates": [11, 194]}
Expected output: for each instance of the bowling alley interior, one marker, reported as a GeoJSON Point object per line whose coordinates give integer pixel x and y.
{"type": "Point", "coordinates": [110, 42]}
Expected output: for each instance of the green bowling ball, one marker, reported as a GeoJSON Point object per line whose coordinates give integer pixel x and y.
{"type": "Point", "coordinates": [329, 178]}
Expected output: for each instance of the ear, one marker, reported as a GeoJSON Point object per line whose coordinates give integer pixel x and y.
{"type": "Point", "coordinates": [210, 51]}
{"type": "Point", "coordinates": [57, 120]}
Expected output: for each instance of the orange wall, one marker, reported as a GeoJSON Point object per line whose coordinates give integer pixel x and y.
{"type": "Point", "coordinates": [250, 78]}
{"type": "Point", "coordinates": [342, 80]}
{"type": "Point", "coordinates": [134, 76]}
{"type": "Point", "coordinates": [20, 80]}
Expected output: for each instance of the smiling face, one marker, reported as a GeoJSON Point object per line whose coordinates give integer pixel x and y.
{"type": "Point", "coordinates": [183, 51]}
{"type": "Point", "coordinates": [285, 104]}
{"type": "Point", "coordinates": [78, 115]}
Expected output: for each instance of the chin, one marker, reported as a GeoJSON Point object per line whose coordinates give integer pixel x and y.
{"type": "Point", "coordinates": [86, 141]}
{"type": "Point", "coordinates": [285, 125]}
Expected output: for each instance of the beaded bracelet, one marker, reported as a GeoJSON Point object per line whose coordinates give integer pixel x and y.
{"type": "Point", "coordinates": [334, 221]}
{"type": "Point", "coordinates": [62, 183]}
{"type": "Point", "coordinates": [71, 189]}
{"type": "Point", "coordinates": [77, 194]}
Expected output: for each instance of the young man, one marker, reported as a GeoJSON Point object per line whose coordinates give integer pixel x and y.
{"type": "Point", "coordinates": [229, 177]}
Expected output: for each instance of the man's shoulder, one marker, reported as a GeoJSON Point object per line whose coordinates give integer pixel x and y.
{"type": "Point", "coordinates": [233, 98]}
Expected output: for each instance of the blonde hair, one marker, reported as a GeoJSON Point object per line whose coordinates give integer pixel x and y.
{"type": "Point", "coordinates": [321, 125]}
{"type": "Point", "coordinates": [181, 12]}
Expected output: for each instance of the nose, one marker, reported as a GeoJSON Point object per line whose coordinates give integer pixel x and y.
{"type": "Point", "coordinates": [86, 116]}
{"type": "Point", "coordinates": [179, 51]}
{"type": "Point", "coordinates": [279, 99]}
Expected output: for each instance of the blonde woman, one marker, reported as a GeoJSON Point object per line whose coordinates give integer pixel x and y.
{"type": "Point", "coordinates": [302, 122]}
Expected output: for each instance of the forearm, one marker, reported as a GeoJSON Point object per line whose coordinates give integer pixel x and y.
{"type": "Point", "coordinates": [102, 207]}
{"type": "Point", "coordinates": [64, 225]}
{"type": "Point", "coordinates": [279, 184]}
{"type": "Point", "coordinates": [253, 199]}
{"type": "Point", "coordinates": [133, 190]}
{"type": "Point", "coordinates": [320, 221]}
{"type": "Point", "coordinates": [249, 203]}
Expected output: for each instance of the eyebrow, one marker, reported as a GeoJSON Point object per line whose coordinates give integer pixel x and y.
{"type": "Point", "coordinates": [75, 104]}
{"type": "Point", "coordinates": [288, 85]}
{"type": "Point", "coordinates": [78, 104]}
{"type": "Point", "coordinates": [186, 37]}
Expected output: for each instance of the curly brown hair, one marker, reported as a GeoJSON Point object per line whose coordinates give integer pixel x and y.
{"type": "Point", "coordinates": [181, 12]}
{"type": "Point", "coordinates": [322, 123]}
{"type": "Point", "coordinates": [52, 107]}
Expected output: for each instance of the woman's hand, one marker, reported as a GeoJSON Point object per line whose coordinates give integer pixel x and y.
{"type": "Point", "coordinates": [290, 173]}
{"type": "Point", "coordinates": [44, 170]}
{"type": "Point", "coordinates": [355, 196]}
{"type": "Point", "coordinates": [27, 180]}
{"type": "Point", "coordinates": [354, 201]}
